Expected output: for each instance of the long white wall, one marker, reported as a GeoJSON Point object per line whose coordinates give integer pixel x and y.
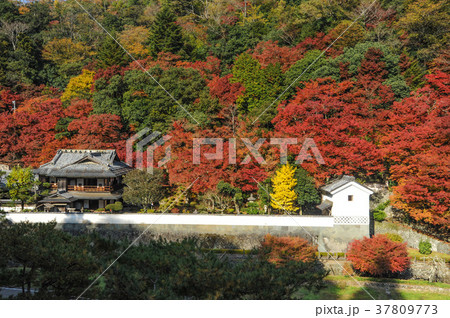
{"type": "Point", "coordinates": [191, 219]}
{"type": "Point", "coordinates": [16, 208]}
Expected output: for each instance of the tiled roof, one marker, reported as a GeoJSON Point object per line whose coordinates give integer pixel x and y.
{"type": "Point", "coordinates": [338, 183]}
{"type": "Point", "coordinates": [78, 195]}
{"type": "Point", "coordinates": [84, 163]}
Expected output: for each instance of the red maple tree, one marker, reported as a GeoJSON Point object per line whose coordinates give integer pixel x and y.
{"type": "Point", "coordinates": [280, 250]}
{"type": "Point", "coordinates": [378, 256]}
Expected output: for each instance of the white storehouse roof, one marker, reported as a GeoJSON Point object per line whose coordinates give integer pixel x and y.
{"type": "Point", "coordinates": [343, 182]}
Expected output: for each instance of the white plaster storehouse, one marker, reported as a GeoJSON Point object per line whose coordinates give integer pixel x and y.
{"type": "Point", "coordinates": [347, 201]}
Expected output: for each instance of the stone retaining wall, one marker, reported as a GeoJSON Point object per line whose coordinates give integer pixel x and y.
{"type": "Point", "coordinates": [411, 237]}
{"type": "Point", "coordinates": [432, 270]}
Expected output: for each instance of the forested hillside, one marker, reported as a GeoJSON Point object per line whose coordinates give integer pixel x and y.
{"type": "Point", "coordinates": [373, 94]}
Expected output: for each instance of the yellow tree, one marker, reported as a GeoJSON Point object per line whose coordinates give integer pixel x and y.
{"type": "Point", "coordinates": [283, 183]}
{"type": "Point", "coordinates": [79, 86]}
{"type": "Point", "coordinates": [65, 51]}
{"type": "Point", "coordinates": [133, 39]}
{"type": "Point", "coordinates": [354, 34]}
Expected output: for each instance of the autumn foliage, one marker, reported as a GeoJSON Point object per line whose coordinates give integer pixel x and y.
{"type": "Point", "coordinates": [378, 256]}
{"type": "Point", "coordinates": [280, 250]}
{"type": "Point", "coordinates": [373, 95]}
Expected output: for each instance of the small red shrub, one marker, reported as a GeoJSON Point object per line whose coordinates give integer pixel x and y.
{"type": "Point", "coordinates": [279, 250]}
{"type": "Point", "coordinates": [378, 256]}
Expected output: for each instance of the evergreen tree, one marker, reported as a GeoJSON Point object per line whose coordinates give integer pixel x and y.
{"type": "Point", "coordinates": [284, 182]}
{"type": "Point", "coordinates": [165, 34]}
{"type": "Point", "coordinates": [307, 194]}
{"type": "Point", "coordinates": [110, 54]}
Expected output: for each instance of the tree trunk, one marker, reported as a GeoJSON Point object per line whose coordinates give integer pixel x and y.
{"type": "Point", "coordinates": [236, 207]}
{"type": "Point", "coordinates": [23, 279]}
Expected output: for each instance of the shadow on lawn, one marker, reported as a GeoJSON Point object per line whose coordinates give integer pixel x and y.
{"type": "Point", "coordinates": [349, 289]}
{"type": "Point", "coordinates": [377, 290]}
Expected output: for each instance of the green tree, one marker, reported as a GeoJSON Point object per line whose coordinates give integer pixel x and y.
{"type": "Point", "coordinates": [426, 23]}
{"type": "Point", "coordinates": [165, 33]}
{"type": "Point", "coordinates": [107, 97]}
{"type": "Point", "coordinates": [356, 54]}
{"type": "Point", "coordinates": [232, 40]}
{"type": "Point", "coordinates": [234, 193]}
{"type": "Point", "coordinates": [262, 86]}
{"type": "Point", "coordinates": [304, 70]}
{"type": "Point", "coordinates": [307, 194]}
{"type": "Point", "coordinates": [145, 103]}
{"type": "Point", "coordinates": [20, 183]}
{"type": "Point", "coordinates": [183, 270]}
{"type": "Point", "coordinates": [110, 54]}
{"type": "Point", "coordinates": [57, 264]}
{"type": "Point", "coordinates": [143, 188]}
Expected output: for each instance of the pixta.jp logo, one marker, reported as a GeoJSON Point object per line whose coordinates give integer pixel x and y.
{"type": "Point", "coordinates": [152, 142]}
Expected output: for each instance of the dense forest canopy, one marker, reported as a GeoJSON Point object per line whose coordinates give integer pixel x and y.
{"type": "Point", "coordinates": [367, 80]}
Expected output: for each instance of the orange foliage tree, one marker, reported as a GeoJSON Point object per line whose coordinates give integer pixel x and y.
{"type": "Point", "coordinates": [378, 256]}
{"type": "Point", "coordinates": [280, 250]}
{"type": "Point", "coordinates": [415, 147]}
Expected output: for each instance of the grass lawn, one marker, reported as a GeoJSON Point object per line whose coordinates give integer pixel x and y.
{"type": "Point", "coordinates": [345, 288]}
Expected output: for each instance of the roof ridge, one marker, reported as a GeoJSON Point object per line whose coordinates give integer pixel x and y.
{"type": "Point", "coordinates": [86, 150]}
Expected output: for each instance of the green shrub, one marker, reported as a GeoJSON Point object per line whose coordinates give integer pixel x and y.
{"type": "Point", "coordinates": [230, 211]}
{"type": "Point", "coordinates": [379, 216]}
{"type": "Point", "coordinates": [394, 237]}
{"type": "Point", "coordinates": [378, 213]}
{"type": "Point", "coordinates": [142, 211]}
{"type": "Point", "coordinates": [117, 206]}
{"type": "Point", "coordinates": [100, 210]}
{"type": "Point", "coordinates": [425, 247]}
{"type": "Point", "coordinates": [252, 208]}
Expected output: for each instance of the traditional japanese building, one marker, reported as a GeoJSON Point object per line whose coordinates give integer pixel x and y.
{"type": "Point", "coordinates": [82, 180]}
{"type": "Point", "coordinates": [346, 200]}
